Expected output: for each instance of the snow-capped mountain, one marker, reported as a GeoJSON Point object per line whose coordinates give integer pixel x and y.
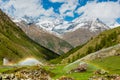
{"type": "Point", "coordinates": [77, 32]}
{"type": "Point", "coordinates": [62, 27]}
{"type": "Point", "coordinates": [81, 30]}
{"type": "Point", "coordinates": [55, 25]}
{"type": "Point", "coordinates": [93, 25]}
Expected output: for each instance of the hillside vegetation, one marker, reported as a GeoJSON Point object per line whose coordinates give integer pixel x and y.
{"type": "Point", "coordinates": [14, 44]}
{"type": "Point", "coordinates": [105, 63]}
{"type": "Point", "coordinates": [107, 59]}
{"type": "Point", "coordinates": [59, 59]}
{"type": "Point", "coordinates": [105, 39]}
{"type": "Point", "coordinates": [101, 54]}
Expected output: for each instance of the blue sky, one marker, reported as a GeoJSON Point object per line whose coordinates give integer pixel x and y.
{"type": "Point", "coordinates": [106, 10]}
{"type": "Point", "coordinates": [47, 4]}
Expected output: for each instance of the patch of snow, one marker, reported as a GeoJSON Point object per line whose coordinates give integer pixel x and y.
{"type": "Point", "coordinates": [16, 20]}
{"type": "Point", "coordinates": [7, 62]}
{"type": "Point", "coordinates": [59, 26]}
{"type": "Point", "coordinates": [114, 25]}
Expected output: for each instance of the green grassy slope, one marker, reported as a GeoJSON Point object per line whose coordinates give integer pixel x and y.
{"type": "Point", "coordinates": [59, 59]}
{"type": "Point", "coordinates": [14, 44]}
{"type": "Point", "coordinates": [105, 39]}
{"type": "Point", "coordinates": [110, 64]}
{"type": "Point", "coordinates": [59, 71]}
{"type": "Point", "coordinates": [101, 54]}
{"type": "Point", "coordinates": [107, 59]}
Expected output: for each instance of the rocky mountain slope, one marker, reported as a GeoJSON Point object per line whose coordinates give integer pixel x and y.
{"type": "Point", "coordinates": [15, 45]}
{"type": "Point", "coordinates": [83, 31]}
{"type": "Point", "coordinates": [105, 39]}
{"type": "Point", "coordinates": [45, 38]}
{"type": "Point", "coordinates": [76, 32]}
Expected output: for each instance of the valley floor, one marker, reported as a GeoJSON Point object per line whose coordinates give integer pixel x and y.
{"type": "Point", "coordinates": [54, 72]}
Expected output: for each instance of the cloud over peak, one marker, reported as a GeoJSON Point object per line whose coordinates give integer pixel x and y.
{"type": "Point", "coordinates": [105, 11]}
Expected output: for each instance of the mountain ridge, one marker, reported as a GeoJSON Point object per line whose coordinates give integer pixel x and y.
{"type": "Point", "coordinates": [58, 26]}
{"type": "Point", "coordinates": [72, 32]}
{"type": "Point", "coordinates": [84, 32]}
{"type": "Point", "coordinates": [44, 38]}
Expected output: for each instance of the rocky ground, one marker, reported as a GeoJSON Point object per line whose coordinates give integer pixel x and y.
{"type": "Point", "coordinates": [40, 73]}
{"type": "Point", "coordinates": [34, 73]}
{"type": "Point", "coordinates": [105, 77]}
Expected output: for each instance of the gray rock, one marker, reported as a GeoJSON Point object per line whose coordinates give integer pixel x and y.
{"type": "Point", "coordinates": [0, 77]}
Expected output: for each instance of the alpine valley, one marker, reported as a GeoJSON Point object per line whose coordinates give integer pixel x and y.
{"type": "Point", "coordinates": [59, 40]}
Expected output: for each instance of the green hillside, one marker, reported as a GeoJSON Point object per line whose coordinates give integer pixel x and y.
{"type": "Point", "coordinates": [105, 39]}
{"type": "Point", "coordinates": [107, 60]}
{"type": "Point", "coordinates": [110, 64]}
{"type": "Point", "coordinates": [99, 55]}
{"type": "Point", "coordinates": [59, 59]}
{"type": "Point", "coordinates": [14, 44]}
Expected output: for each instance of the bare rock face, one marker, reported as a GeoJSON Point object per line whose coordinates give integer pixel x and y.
{"type": "Point", "coordinates": [79, 36]}
{"type": "Point", "coordinates": [45, 38]}
{"type": "Point", "coordinates": [84, 32]}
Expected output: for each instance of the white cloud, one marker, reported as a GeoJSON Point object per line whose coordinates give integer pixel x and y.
{"type": "Point", "coordinates": [54, 1]}
{"type": "Point", "coordinates": [105, 11]}
{"type": "Point", "coordinates": [31, 8]}
{"type": "Point", "coordinates": [68, 8]}
{"type": "Point", "coordinates": [24, 7]}
{"type": "Point", "coordinates": [108, 12]}
{"type": "Point", "coordinates": [48, 12]}
{"type": "Point", "coordinates": [71, 14]}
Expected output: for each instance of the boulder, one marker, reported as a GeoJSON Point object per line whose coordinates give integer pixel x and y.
{"type": "Point", "coordinates": [65, 78]}
{"type": "Point", "coordinates": [100, 72]}
{"type": "Point", "coordinates": [81, 68]}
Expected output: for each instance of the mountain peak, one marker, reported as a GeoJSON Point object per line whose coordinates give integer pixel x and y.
{"type": "Point", "coordinates": [98, 25]}
{"type": "Point", "coordinates": [59, 26]}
